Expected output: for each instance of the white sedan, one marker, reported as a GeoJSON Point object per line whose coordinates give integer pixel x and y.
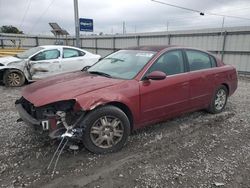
{"type": "Point", "coordinates": [43, 61]}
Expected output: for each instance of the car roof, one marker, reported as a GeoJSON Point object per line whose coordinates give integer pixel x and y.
{"type": "Point", "coordinates": [58, 46]}
{"type": "Point", "coordinates": [154, 48]}
{"type": "Point", "coordinates": [158, 48]}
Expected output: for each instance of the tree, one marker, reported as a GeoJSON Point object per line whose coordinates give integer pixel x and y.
{"type": "Point", "coordinates": [10, 29]}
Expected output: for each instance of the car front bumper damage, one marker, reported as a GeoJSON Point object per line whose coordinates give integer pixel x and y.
{"type": "Point", "coordinates": [55, 125]}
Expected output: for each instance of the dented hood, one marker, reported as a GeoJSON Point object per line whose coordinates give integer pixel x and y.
{"type": "Point", "coordinates": [9, 59]}
{"type": "Point", "coordinates": [65, 87]}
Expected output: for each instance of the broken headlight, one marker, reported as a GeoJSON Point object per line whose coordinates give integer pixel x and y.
{"type": "Point", "coordinates": [51, 109]}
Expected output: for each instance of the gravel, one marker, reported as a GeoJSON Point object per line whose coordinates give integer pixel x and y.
{"type": "Point", "coordinates": [195, 150]}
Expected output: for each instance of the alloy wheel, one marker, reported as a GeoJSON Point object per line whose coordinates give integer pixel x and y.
{"type": "Point", "coordinates": [220, 99]}
{"type": "Point", "coordinates": [106, 132]}
{"type": "Point", "coordinates": [13, 79]}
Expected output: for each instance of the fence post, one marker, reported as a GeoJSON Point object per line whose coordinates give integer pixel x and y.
{"type": "Point", "coordinates": [2, 43]}
{"type": "Point", "coordinates": [169, 39]}
{"type": "Point", "coordinates": [138, 40]}
{"type": "Point", "coordinates": [223, 45]}
{"type": "Point", "coordinates": [96, 50]}
{"type": "Point", "coordinates": [113, 44]}
{"type": "Point", "coordinates": [37, 42]}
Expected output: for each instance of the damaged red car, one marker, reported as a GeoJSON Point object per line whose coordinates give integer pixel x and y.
{"type": "Point", "coordinates": [127, 90]}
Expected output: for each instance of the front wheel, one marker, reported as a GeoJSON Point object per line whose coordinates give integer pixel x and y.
{"type": "Point", "coordinates": [13, 78]}
{"type": "Point", "coordinates": [106, 129]}
{"type": "Point", "coordinates": [219, 100]}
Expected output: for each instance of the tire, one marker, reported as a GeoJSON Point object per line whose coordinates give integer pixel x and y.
{"type": "Point", "coordinates": [106, 130]}
{"type": "Point", "coordinates": [219, 100]}
{"type": "Point", "coordinates": [13, 78]}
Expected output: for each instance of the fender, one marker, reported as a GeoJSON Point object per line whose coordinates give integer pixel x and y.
{"type": "Point", "coordinates": [92, 100]}
{"type": "Point", "coordinates": [20, 66]}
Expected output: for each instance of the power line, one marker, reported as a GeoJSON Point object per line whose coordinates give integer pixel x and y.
{"type": "Point", "coordinates": [43, 13]}
{"type": "Point", "coordinates": [25, 13]}
{"type": "Point", "coordinates": [177, 6]}
{"type": "Point", "coordinates": [198, 11]}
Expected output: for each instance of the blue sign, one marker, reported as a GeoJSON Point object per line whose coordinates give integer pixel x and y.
{"type": "Point", "coordinates": [86, 24]}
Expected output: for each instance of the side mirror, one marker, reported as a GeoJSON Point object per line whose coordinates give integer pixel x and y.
{"type": "Point", "coordinates": [156, 75]}
{"type": "Point", "coordinates": [86, 68]}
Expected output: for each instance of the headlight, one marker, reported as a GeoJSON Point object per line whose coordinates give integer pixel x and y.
{"type": "Point", "coordinates": [1, 64]}
{"type": "Point", "coordinates": [14, 62]}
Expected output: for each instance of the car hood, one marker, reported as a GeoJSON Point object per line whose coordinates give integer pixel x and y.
{"type": "Point", "coordinates": [65, 87]}
{"type": "Point", "coordinates": [8, 59]}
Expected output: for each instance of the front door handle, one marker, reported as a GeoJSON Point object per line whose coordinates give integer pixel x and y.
{"type": "Point", "coordinates": [55, 62]}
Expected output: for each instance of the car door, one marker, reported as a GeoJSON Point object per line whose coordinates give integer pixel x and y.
{"type": "Point", "coordinates": [160, 99]}
{"type": "Point", "coordinates": [72, 60]}
{"type": "Point", "coordinates": [45, 63]}
{"type": "Point", "coordinates": [201, 78]}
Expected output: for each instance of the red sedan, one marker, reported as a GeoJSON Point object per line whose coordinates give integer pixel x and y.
{"type": "Point", "coordinates": [127, 90]}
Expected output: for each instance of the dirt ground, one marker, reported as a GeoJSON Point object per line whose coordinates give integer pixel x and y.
{"type": "Point", "coordinates": [195, 150]}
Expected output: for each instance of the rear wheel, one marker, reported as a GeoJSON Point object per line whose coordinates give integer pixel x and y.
{"type": "Point", "coordinates": [219, 100]}
{"type": "Point", "coordinates": [106, 130]}
{"type": "Point", "coordinates": [13, 78]}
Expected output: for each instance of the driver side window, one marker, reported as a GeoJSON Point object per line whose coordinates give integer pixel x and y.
{"type": "Point", "coordinates": [46, 55]}
{"type": "Point", "coordinates": [170, 63]}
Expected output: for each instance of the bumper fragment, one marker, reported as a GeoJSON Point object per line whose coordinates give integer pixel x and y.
{"type": "Point", "coordinates": [25, 116]}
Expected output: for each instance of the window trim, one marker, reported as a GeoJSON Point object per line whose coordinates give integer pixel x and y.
{"type": "Point", "coordinates": [209, 56]}
{"type": "Point", "coordinates": [155, 61]}
{"type": "Point", "coordinates": [78, 51]}
{"type": "Point", "coordinates": [45, 50]}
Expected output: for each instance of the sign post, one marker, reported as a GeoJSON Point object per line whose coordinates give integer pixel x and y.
{"type": "Point", "coordinates": [77, 24]}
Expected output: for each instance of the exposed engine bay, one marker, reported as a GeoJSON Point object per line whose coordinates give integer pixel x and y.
{"type": "Point", "coordinates": [57, 120]}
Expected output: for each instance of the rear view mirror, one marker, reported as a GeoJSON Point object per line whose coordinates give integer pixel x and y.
{"type": "Point", "coordinates": [156, 75]}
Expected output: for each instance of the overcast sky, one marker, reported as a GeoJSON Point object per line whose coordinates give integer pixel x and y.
{"type": "Point", "coordinates": [33, 16]}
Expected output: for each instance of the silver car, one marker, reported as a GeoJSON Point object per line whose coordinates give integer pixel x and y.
{"type": "Point", "coordinates": [43, 61]}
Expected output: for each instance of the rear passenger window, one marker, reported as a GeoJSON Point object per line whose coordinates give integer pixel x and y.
{"type": "Point", "coordinates": [198, 60]}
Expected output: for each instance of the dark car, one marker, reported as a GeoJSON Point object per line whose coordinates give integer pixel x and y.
{"type": "Point", "coordinates": [127, 90]}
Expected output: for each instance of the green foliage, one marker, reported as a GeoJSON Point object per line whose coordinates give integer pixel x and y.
{"type": "Point", "coordinates": [10, 29]}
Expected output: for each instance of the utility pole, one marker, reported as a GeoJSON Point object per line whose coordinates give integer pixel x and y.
{"type": "Point", "coordinates": [123, 28]}
{"type": "Point", "coordinates": [222, 25]}
{"type": "Point", "coordinates": [77, 27]}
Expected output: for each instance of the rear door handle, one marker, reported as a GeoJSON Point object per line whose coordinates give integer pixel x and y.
{"type": "Point", "coordinates": [55, 62]}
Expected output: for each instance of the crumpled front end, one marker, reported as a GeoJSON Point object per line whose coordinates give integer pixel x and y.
{"type": "Point", "coordinates": [54, 119]}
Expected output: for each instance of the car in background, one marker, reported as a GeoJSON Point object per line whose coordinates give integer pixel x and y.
{"type": "Point", "coordinates": [43, 61]}
{"type": "Point", "coordinates": [127, 90]}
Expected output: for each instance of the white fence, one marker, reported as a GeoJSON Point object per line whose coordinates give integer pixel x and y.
{"type": "Point", "coordinates": [231, 44]}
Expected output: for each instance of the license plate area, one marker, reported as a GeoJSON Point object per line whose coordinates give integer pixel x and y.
{"type": "Point", "coordinates": [45, 125]}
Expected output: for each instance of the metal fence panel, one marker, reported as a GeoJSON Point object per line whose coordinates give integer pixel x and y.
{"type": "Point", "coordinates": [125, 42]}
{"type": "Point", "coordinates": [163, 40]}
{"type": "Point", "coordinates": [238, 42]}
{"type": "Point", "coordinates": [240, 61]}
{"type": "Point", "coordinates": [233, 45]}
{"type": "Point", "coordinates": [46, 41]}
{"type": "Point", "coordinates": [104, 43]}
{"type": "Point", "coordinates": [210, 43]}
{"type": "Point", "coordinates": [88, 43]}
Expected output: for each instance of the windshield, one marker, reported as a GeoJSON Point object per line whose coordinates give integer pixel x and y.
{"type": "Point", "coordinates": [26, 54]}
{"type": "Point", "coordinates": [124, 64]}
